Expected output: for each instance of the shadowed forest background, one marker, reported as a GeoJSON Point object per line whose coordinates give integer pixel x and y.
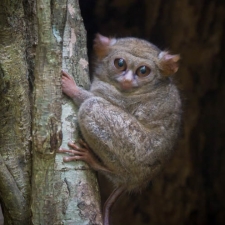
{"type": "Point", "coordinates": [191, 188]}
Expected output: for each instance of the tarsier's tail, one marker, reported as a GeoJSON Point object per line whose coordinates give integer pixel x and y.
{"type": "Point", "coordinates": [117, 192]}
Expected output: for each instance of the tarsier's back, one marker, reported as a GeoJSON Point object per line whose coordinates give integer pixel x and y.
{"type": "Point", "coordinates": [132, 120]}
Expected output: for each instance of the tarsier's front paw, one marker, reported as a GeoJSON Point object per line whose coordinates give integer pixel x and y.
{"type": "Point", "coordinates": [69, 86]}
{"type": "Point", "coordinates": [76, 152]}
{"type": "Point", "coordinates": [83, 153]}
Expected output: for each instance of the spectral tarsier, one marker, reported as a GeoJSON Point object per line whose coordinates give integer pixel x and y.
{"type": "Point", "coordinates": [130, 118]}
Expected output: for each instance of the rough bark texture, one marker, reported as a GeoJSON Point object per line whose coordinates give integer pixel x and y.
{"type": "Point", "coordinates": [15, 160]}
{"type": "Point", "coordinates": [31, 41]}
{"type": "Point", "coordinates": [76, 183]}
{"type": "Point", "coordinates": [191, 188]}
{"type": "Point", "coordinates": [46, 130]}
{"type": "Point", "coordinates": [62, 193]}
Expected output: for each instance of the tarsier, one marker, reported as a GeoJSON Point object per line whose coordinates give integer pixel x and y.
{"type": "Point", "coordinates": [130, 118]}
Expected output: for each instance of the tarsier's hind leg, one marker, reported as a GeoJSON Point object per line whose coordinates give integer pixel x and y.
{"type": "Point", "coordinates": [102, 125]}
{"type": "Point", "coordinates": [113, 134]}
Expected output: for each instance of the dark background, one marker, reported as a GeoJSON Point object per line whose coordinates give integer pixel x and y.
{"type": "Point", "coordinates": [191, 189]}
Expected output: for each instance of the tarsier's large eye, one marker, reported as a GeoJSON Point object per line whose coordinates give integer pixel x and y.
{"type": "Point", "coordinates": [120, 64]}
{"type": "Point", "coordinates": [143, 71]}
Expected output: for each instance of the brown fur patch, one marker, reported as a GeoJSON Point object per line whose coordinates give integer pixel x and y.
{"type": "Point", "coordinates": [168, 63]}
{"type": "Point", "coordinates": [101, 45]}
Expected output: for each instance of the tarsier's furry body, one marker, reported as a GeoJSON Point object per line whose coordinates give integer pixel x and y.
{"type": "Point", "coordinates": [130, 118]}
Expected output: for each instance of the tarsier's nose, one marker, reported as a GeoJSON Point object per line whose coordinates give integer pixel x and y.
{"type": "Point", "coordinates": [128, 77]}
{"type": "Point", "coordinates": [128, 80]}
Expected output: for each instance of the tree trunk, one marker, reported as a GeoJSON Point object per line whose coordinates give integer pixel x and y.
{"type": "Point", "coordinates": [46, 129]}
{"type": "Point", "coordinates": [78, 186]}
{"type": "Point", "coordinates": [15, 160]}
{"type": "Point", "coordinates": [62, 193]}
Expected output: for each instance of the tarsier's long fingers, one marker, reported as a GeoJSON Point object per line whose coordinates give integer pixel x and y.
{"type": "Point", "coordinates": [76, 147]}
{"type": "Point", "coordinates": [69, 159]}
{"type": "Point", "coordinates": [72, 152]}
{"type": "Point", "coordinates": [91, 159]}
{"type": "Point", "coordinates": [64, 73]}
{"type": "Point", "coordinates": [83, 153]}
{"type": "Point", "coordinates": [74, 158]}
{"type": "Point", "coordinates": [80, 154]}
{"type": "Point", "coordinates": [66, 76]}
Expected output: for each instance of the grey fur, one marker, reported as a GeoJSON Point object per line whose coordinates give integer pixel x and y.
{"type": "Point", "coordinates": [132, 132]}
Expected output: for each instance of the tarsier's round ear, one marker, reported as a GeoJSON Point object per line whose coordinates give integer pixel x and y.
{"type": "Point", "coordinates": [102, 44]}
{"type": "Point", "coordinates": [168, 63]}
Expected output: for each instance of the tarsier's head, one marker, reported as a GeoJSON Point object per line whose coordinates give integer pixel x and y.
{"type": "Point", "coordinates": [130, 63]}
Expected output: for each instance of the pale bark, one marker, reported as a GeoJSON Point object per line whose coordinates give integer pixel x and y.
{"type": "Point", "coordinates": [78, 186]}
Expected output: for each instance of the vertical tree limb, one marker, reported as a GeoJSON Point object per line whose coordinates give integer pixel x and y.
{"type": "Point", "coordinates": [79, 189]}
{"type": "Point", "coordinates": [61, 193]}
{"type": "Point", "coordinates": [46, 132]}
{"type": "Point", "coordinates": [14, 116]}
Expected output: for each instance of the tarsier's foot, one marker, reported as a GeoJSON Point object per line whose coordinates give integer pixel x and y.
{"type": "Point", "coordinates": [83, 153]}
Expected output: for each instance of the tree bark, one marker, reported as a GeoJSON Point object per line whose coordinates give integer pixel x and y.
{"type": "Point", "coordinates": [46, 130]}
{"type": "Point", "coordinates": [62, 193]}
{"type": "Point", "coordinates": [78, 190]}
{"type": "Point", "coordinates": [15, 160]}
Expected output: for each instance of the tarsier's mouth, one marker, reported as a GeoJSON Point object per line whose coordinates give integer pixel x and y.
{"type": "Point", "coordinates": [126, 85]}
